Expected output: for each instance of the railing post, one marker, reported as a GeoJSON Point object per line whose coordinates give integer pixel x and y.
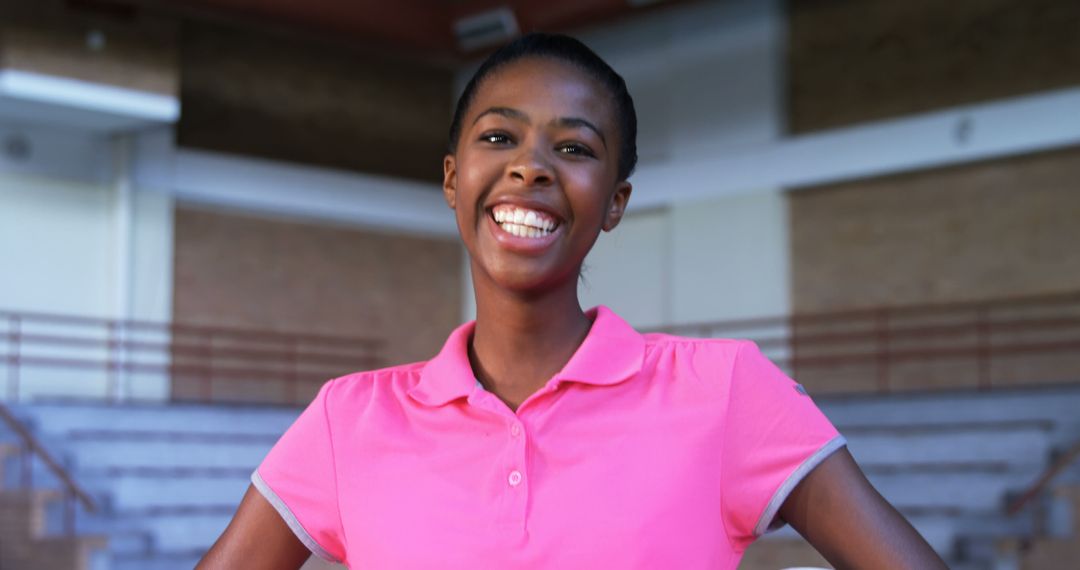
{"type": "Point", "coordinates": [69, 513]}
{"type": "Point", "coordinates": [793, 347]}
{"type": "Point", "coordinates": [14, 348]}
{"type": "Point", "coordinates": [110, 362]}
{"type": "Point", "coordinates": [982, 348]}
{"type": "Point", "coordinates": [881, 323]}
{"type": "Point", "coordinates": [26, 459]}
{"type": "Point", "coordinates": [293, 378]}
{"type": "Point", "coordinates": [208, 380]}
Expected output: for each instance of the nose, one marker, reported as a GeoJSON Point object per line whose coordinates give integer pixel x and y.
{"type": "Point", "coordinates": [530, 168]}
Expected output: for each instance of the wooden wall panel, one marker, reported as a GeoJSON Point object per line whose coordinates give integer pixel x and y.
{"type": "Point", "coordinates": [136, 52]}
{"type": "Point", "coordinates": [290, 98]}
{"type": "Point", "coordinates": [859, 60]}
{"type": "Point", "coordinates": [984, 231]}
{"type": "Point", "coordinates": [979, 231]}
{"type": "Point", "coordinates": [284, 275]}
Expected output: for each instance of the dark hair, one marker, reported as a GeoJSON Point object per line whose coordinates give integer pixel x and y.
{"type": "Point", "coordinates": [569, 50]}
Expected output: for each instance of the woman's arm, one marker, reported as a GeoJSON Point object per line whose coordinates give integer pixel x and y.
{"type": "Point", "coordinates": [257, 537]}
{"type": "Point", "coordinates": [841, 514]}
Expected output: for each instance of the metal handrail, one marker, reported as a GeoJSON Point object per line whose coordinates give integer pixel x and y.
{"type": "Point", "coordinates": [198, 329]}
{"type": "Point", "coordinates": [202, 354]}
{"type": "Point", "coordinates": [32, 446]}
{"type": "Point", "coordinates": [1062, 462]}
{"type": "Point", "coordinates": [870, 312]}
{"type": "Point", "coordinates": [884, 338]}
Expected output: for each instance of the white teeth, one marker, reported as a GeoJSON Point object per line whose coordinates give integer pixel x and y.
{"type": "Point", "coordinates": [521, 230]}
{"type": "Point", "coordinates": [523, 222]}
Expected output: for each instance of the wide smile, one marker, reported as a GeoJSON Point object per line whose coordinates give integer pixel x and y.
{"type": "Point", "coordinates": [523, 230]}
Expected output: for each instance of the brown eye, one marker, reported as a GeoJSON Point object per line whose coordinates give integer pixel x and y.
{"type": "Point", "coordinates": [576, 149]}
{"type": "Point", "coordinates": [495, 138]}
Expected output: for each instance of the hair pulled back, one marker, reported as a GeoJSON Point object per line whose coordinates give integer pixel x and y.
{"type": "Point", "coordinates": [569, 50]}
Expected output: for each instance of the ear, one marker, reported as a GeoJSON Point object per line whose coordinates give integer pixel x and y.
{"type": "Point", "coordinates": [618, 205]}
{"type": "Point", "coordinates": [449, 184]}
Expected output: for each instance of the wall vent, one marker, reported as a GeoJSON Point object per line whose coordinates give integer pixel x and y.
{"type": "Point", "coordinates": [486, 29]}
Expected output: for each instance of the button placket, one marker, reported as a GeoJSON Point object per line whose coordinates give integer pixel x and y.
{"type": "Point", "coordinates": [517, 483]}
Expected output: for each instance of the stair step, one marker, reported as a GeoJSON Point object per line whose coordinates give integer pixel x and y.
{"type": "Point", "coordinates": [1020, 446]}
{"type": "Point", "coordinates": [182, 560]}
{"type": "Point", "coordinates": [65, 417]}
{"type": "Point", "coordinates": [169, 530]}
{"type": "Point", "coordinates": [962, 490]}
{"type": "Point", "coordinates": [177, 454]}
{"type": "Point", "coordinates": [133, 490]}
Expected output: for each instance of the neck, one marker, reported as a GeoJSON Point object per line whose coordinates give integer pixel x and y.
{"type": "Point", "coordinates": [520, 340]}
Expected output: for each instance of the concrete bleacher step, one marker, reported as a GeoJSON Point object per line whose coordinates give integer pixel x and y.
{"type": "Point", "coordinates": [169, 478]}
{"type": "Point", "coordinates": [30, 541]}
{"type": "Point", "coordinates": [169, 531]}
{"type": "Point", "coordinates": [118, 452]}
{"type": "Point", "coordinates": [66, 417]}
{"type": "Point", "coordinates": [159, 561]}
{"type": "Point", "coordinates": [1019, 443]}
{"type": "Point", "coordinates": [158, 487]}
{"type": "Point", "coordinates": [960, 489]}
{"type": "Point", "coordinates": [1055, 405]}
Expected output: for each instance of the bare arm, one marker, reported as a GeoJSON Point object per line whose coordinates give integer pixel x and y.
{"type": "Point", "coordinates": [841, 514]}
{"type": "Point", "coordinates": [257, 537]}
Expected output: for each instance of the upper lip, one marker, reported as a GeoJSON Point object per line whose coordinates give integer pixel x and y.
{"type": "Point", "coordinates": [527, 204]}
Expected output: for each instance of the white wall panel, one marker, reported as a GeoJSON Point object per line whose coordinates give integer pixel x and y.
{"type": "Point", "coordinates": [55, 251]}
{"type": "Point", "coordinates": [627, 270]}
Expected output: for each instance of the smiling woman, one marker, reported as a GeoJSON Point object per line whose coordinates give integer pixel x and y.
{"type": "Point", "coordinates": [544, 435]}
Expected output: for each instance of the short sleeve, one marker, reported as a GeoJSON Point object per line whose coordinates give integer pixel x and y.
{"type": "Point", "coordinates": [773, 437]}
{"type": "Point", "coordinates": [298, 477]}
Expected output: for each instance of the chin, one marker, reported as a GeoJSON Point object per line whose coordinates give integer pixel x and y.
{"type": "Point", "coordinates": [531, 281]}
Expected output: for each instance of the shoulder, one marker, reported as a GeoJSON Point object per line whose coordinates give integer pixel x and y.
{"type": "Point", "coordinates": [724, 349]}
{"type": "Point", "coordinates": [360, 389]}
{"type": "Point", "coordinates": [705, 358]}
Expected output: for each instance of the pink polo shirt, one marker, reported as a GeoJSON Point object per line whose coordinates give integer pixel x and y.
{"type": "Point", "coordinates": [645, 451]}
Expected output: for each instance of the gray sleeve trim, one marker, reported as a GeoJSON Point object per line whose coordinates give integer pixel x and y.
{"type": "Point", "coordinates": [769, 521]}
{"type": "Point", "coordinates": [290, 519]}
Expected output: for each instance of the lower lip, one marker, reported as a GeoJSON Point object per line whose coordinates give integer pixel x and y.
{"type": "Point", "coordinates": [520, 244]}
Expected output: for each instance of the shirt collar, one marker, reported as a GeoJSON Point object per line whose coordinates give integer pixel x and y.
{"type": "Point", "coordinates": [611, 352]}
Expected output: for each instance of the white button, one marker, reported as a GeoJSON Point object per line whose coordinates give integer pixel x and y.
{"type": "Point", "coordinates": [515, 478]}
{"type": "Point", "coordinates": [515, 430]}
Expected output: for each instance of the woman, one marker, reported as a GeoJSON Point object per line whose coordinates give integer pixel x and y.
{"type": "Point", "coordinates": [542, 435]}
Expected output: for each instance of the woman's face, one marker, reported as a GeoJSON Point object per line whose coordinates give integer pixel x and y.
{"type": "Point", "coordinates": [534, 177]}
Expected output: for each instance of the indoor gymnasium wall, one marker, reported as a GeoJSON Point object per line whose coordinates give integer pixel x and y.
{"type": "Point", "coordinates": [983, 231]}
{"type": "Point", "coordinates": [851, 61]}
{"type": "Point", "coordinates": [706, 80]}
{"type": "Point", "coordinates": [986, 230]}
{"type": "Point", "coordinates": [998, 228]}
{"type": "Point", "coordinates": [288, 275]}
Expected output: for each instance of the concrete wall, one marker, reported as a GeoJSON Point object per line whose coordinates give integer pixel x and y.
{"type": "Point", "coordinates": [63, 252]}
{"type": "Point", "coordinates": [707, 81]}
{"type": "Point", "coordinates": [55, 245]}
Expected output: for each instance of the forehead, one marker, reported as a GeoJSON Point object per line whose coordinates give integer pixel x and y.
{"type": "Point", "coordinates": [545, 89]}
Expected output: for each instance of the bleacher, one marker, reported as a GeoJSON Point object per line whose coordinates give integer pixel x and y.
{"type": "Point", "coordinates": [169, 477]}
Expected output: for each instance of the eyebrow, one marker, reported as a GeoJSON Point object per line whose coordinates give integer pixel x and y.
{"type": "Point", "coordinates": [564, 122]}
